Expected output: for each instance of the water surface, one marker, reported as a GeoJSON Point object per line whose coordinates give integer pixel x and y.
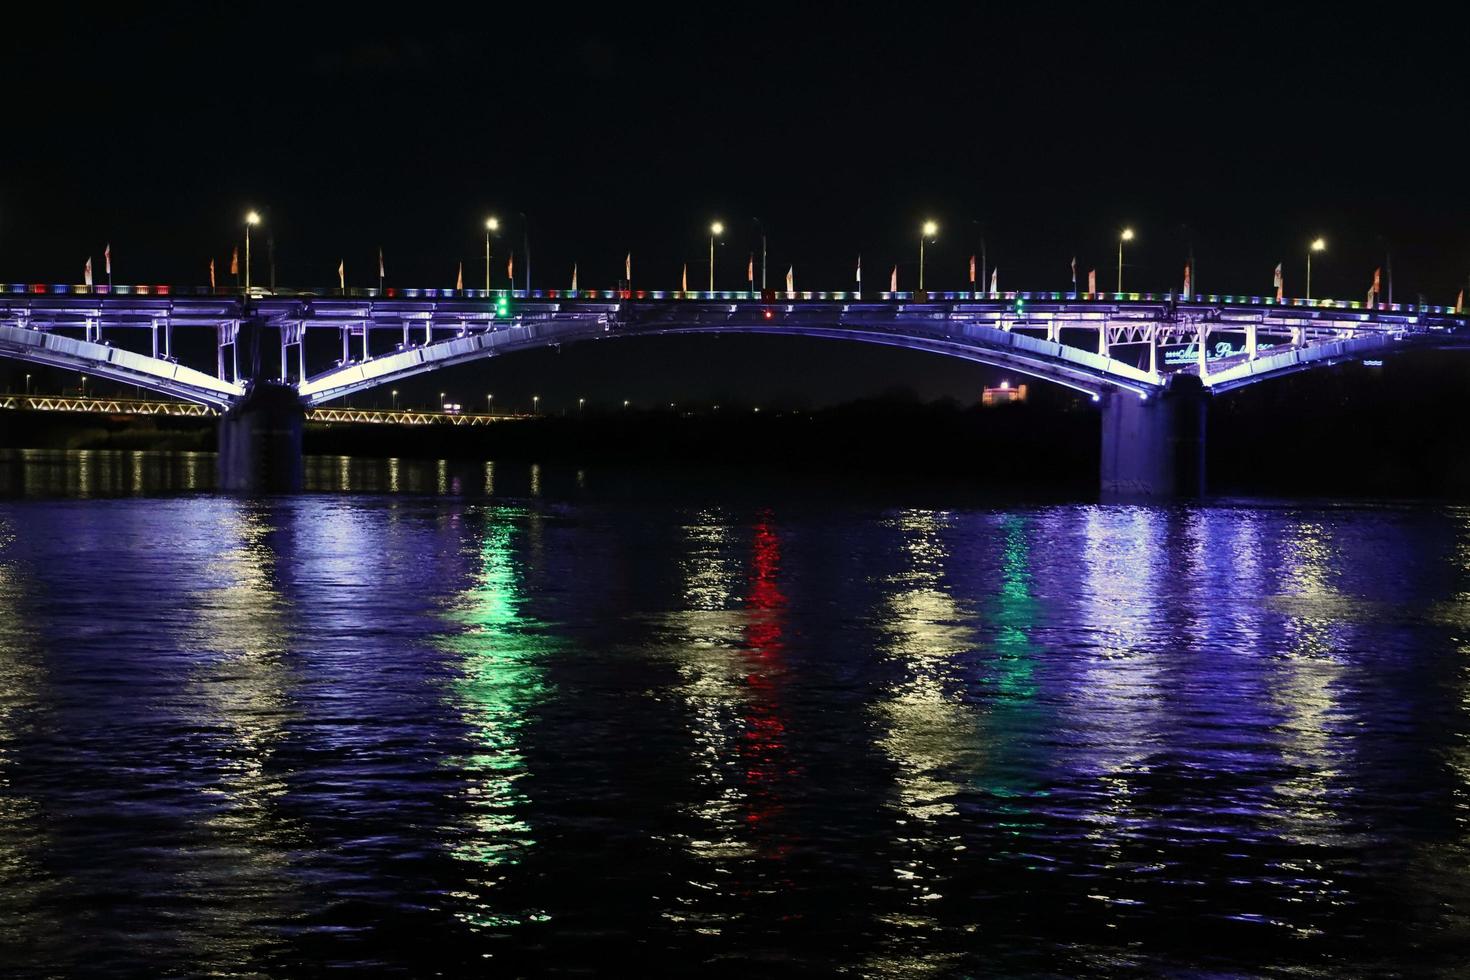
{"type": "Point", "coordinates": [500, 718]}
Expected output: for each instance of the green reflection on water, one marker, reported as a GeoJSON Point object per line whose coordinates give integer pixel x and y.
{"type": "Point", "coordinates": [501, 651]}
{"type": "Point", "coordinates": [1014, 617]}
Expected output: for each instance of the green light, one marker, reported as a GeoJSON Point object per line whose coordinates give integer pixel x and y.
{"type": "Point", "coordinates": [502, 306]}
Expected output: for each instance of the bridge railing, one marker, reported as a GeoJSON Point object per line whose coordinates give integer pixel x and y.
{"type": "Point", "coordinates": [747, 296]}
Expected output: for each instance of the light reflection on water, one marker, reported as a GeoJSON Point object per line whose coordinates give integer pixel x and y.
{"type": "Point", "coordinates": [557, 728]}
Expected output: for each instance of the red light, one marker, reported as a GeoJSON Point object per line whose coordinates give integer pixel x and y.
{"type": "Point", "coordinates": [769, 314]}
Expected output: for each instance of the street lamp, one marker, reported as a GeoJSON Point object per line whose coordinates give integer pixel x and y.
{"type": "Point", "coordinates": [395, 399]}
{"type": "Point", "coordinates": [580, 403]}
{"type": "Point", "coordinates": [929, 230]}
{"type": "Point", "coordinates": [489, 404]}
{"type": "Point", "coordinates": [715, 229]}
{"type": "Point", "coordinates": [251, 219]}
{"type": "Point", "coordinates": [1127, 236]}
{"type": "Point", "coordinates": [441, 400]}
{"type": "Point", "coordinates": [625, 401]}
{"type": "Point", "coordinates": [28, 384]}
{"type": "Point", "coordinates": [535, 401]}
{"type": "Point", "coordinates": [1318, 245]}
{"type": "Point", "coordinates": [84, 386]}
{"type": "Point", "coordinates": [491, 224]}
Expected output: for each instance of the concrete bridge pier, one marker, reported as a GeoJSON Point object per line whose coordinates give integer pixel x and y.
{"type": "Point", "coordinates": [1154, 448]}
{"type": "Point", "coordinates": [260, 442]}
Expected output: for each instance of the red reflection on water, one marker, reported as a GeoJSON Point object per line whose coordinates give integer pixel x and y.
{"type": "Point", "coordinates": [763, 748]}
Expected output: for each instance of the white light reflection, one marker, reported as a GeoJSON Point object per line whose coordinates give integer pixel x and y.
{"type": "Point", "coordinates": [931, 734]}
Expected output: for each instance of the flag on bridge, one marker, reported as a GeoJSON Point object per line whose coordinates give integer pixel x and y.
{"type": "Point", "coordinates": [380, 264]}
{"type": "Point", "coordinates": [628, 270]}
{"type": "Point", "coordinates": [995, 279]}
{"type": "Point", "coordinates": [510, 269]}
{"type": "Point", "coordinates": [1092, 281]}
{"type": "Point", "coordinates": [342, 274]}
{"type": "Point", "coordinates": [1373, 290]}
{"type": "Point", "coordinates": [684, 279]}
{"type": "Point", "coordinates": [791, 279]}
{"type": "Point", "coordinates": [459, 278]}
{"type": "Point", "coordinates": [107, 258]}
{"type": "Point", "coordinates": [574, 277]}
{"type": "Point", "coordinates": [893, 280]}
{"type": "Point", "coordinates": [87, 271]}
{"type": "Point", "coordinates": [1187, 294]}
{"type": "Point", "coordinates": [1278, 283]}
{"type": "Point", "coordinates": [211, 273]}
{"type": "Point", "coordinates": [235, 261]}
{"type": "Point", "coordinates": [1460, 301]}
{"type": "Point", "coordinates": [750, 269]}
{"type": "Point", "coordinates": [860, 272]}
{"type": "Point", "coordinates": [1074, 273]}
{"type": "Point", "coordinates": [972, 273]}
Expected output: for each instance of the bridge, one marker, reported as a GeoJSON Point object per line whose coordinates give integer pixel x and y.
{"type": "Point", "coordinates": [1151, 360]}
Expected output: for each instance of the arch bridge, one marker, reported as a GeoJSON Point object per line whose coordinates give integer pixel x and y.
{"type": "Point", "coordinates": [1150, 360]}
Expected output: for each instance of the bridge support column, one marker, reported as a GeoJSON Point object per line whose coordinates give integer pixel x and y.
{"type": "Point", "coordinates": [1155, 447]}
{"type": "Point", "coordinates": [260, 442]}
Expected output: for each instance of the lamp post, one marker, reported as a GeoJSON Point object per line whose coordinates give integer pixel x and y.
{"type": "Point", "coordinates": [84, 386]}
{"type": "Point", "coordinates": [490, 225]}
{"type": "Point", "coordinates": [251, 219]}
{"type": "Point", "coordinates": [489, 404]}
{"type": "Point", "coordinates": [1318, 245]}
{"type": "Point", "coordinates": [715, 229]}
{"type": "Point", "coordinates": [580, 403]}
{"type": "Point", "coordinates": [535, 403]}
{"type": "Point", "coordinates": [395, 399]}
{"type": "Point", "coordinates": [929, 230]}
{"type": "Point", "coordinates": [28, 384]}
{"type": "Point", "coordinates": [1126, 236]}
{"type": "Point", "coordinates": [441, 400]}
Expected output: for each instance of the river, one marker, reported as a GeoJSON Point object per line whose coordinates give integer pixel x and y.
{"type": "Point", "coordinates": [500, 718]}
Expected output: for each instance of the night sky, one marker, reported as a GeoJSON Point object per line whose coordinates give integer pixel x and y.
{"type": "Point", "coordinates": [1241, 130]}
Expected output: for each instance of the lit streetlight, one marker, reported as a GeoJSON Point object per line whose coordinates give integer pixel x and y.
{"type": "Point", "coordinates": [395, 399]}
{"type": "Point", "coordinates": [84, 386]}
{"type": "Point", "coordinates": [1318, 245]}
{"type": "Point", "coordinates": [929, 230]}
{"type": "Point", "coordinates": [491, 224]}
{"type": "Point", "coordinates": [28, 384]}
{"type": "Point", "coordinates": [625, 401]}
{"type": "Point", "coordinates": [580, 403]}
{"type": "Point", "coordinates": [535, 403]}
{"type": "Point", "coordinates": [251, 219]}
{"type": "Point", "coordinates": [489, 404]}
{"type": "Point", "coordinates": [441, 400]}
{"type": "Point", "coordinates": [1126, 236]}
{"type": "Point", "coordinates": [715, 229]}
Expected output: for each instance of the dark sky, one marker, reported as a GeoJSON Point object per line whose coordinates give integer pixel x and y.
{"type": "Point", "coordinates": [1043, 127]}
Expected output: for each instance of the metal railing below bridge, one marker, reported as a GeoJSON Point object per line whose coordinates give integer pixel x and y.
{"type": "Point", "coordinates": [92, 405]}
{"type": "Point", "coordinates": [105, 406]}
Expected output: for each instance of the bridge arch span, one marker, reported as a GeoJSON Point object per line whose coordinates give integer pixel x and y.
{"type": "Point", "coordinates": [1080, 370]}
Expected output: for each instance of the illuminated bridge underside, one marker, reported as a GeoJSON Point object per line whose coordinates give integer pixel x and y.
{"type": "Point", "coordinates": [1095, 344]}
{"type": "Point", "coordinates": [1092, 347]}
{"type": "Point", "coordinates": [1076, 368]}
{"type": "Point", "coordinates": [103, 361]}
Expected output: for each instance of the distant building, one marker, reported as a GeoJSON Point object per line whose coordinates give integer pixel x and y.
{"type": "Point", "coordinates": [1004, 395]}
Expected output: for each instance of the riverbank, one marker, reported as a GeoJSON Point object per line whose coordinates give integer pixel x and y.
{"type": "Point", "coordinates": [1393, 431]}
